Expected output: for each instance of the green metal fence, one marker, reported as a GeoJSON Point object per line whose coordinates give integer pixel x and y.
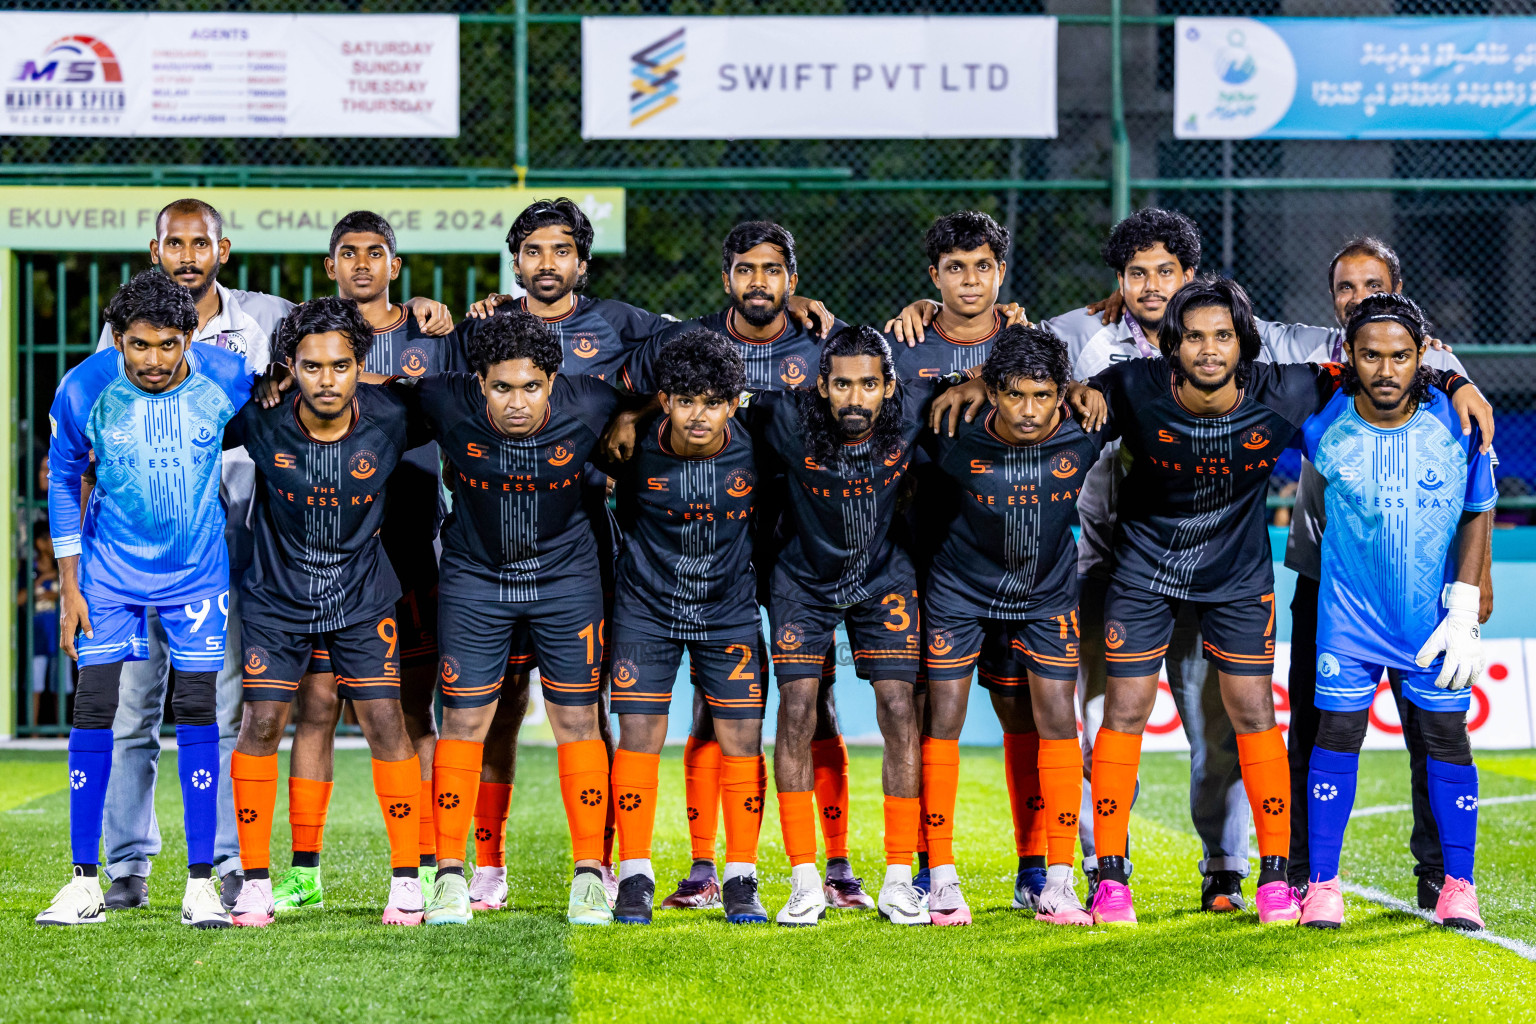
{"type": "Point", "coordinates": [1462, 214]}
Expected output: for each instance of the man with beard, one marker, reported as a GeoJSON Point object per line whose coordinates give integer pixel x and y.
{"type": "Point", "coordinates": [1363, 267]}
{"type": "Point", "coordinates": [1203, 426]}
{"type": "Point", "coordinates": [1387, 551]}
{"type": "Point", "coordinates": [845, 448]}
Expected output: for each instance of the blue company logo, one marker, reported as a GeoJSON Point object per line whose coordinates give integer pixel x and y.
{"type": "Point", "coordinates": [204, 437]}
{"type": "Point", "coordinates": [654, 85]}
{"type": "Point", "coordinates": [1234, 64]}
{"type": "Point", "coordinates": [1327, 665]}
{"type": "Point", "coordinates": [1431, 481]}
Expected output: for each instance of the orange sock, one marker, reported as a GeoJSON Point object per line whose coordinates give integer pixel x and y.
{"type": "Point", "coordinates": [901, 830]}
{"type": "Point", "coordinates": [1061, 789]}
{"type": "Point", "coordinates": [427, 821]}
{"type": "Point", "coordinates": [308, 802]}
{"type": "Point", "coordinates": [701, 788]}
{"type": "Point", "coordinates": [1116, 757]}
{"type": "Point", "coordinates": [255, 784]}
{"type": "Point", "coordinates": [398, 787]}
{"type": "Point", "coordinates": [1021, 755]}
{"type": "Point", "coordinates": [584, 787]}
{"type": "Point", "coordinates": [455, 778]}
{"type": "Point", "coordinates": [743, 780]}
{"type": "Point", "coordinates": [797, 816]}
{"type": "Point", "coordinates": [941, 782]}
{"type": "Point", "coordinates": [492, 805]}
{"type": "Point", "coordinates": [1267, 778]}
{"type": "Point", "coordinates": [830, 761]}
{"type": "Point", "coordinates": [634, 787]}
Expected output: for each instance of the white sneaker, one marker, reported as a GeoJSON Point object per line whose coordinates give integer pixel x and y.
{"type": "Point", "coordinates": [901, 903]}
{"type": "Point", "coordinates": [1059, 903]}
{"type": "Point", "coordinates": [610, 884]}
{"type": "Point", "coordinates": [201, 906]}
{"type": "Point", "coordinates": [807, 900]}
{"type": "Point", "coordinates": [254, 907]}
{"type": "Point", "coordinates": [79, 902]}
{"type": "Point", "coordinates": [406, 904]}
{"type": "Point", "coordinates": [488, 889]}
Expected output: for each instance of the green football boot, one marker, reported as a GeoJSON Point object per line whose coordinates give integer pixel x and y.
{"type": "Point", "coordinates": [428, 876]}
{"type": "Point", "coordinates": [298, 889]}
{"type": "Point", "coordinates": [450, 901]}
{"type": "Point", "coordinates": [589, 900]}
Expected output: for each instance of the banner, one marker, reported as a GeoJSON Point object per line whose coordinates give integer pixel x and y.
{"type": "Point", "coordinates": [818, 77]}
{"type": "Point", "coordinates": [437, 220]}
{"type": "Point", "coordinates": [1355, 78]}
{"type": "Point", "coordinates": [254, 75]}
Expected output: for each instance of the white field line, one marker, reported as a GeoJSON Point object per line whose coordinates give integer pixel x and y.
{"type": "Point", "coordinates": [1487, 801]}
{"type": "Point", "coordinates": [1393, 903]}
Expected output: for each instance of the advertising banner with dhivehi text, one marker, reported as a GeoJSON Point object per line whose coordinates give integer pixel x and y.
{"type": "Point", "coordinates": [218, 74]}
{"type": "Point", "coordinates": [1355, 78]}
{"type": "Point", "coordinates": [818, 77]}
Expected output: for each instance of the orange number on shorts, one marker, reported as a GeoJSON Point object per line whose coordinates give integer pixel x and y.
{"type": "Point", "coordinates": [739, 673]}
{"type": "Point", "coordinates": [896, 608]}
{"type": "Point", "coordinates": [1269, 599]}
{"type": "Point", "coordinates": [387, 633]}
{"type": "Point", "coordinates": [589, 634]}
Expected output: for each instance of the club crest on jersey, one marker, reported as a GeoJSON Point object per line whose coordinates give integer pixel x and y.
{"type": "Point", "coordinates": [255, 661]}
{"type": "Point", "coordinates": [234, 341]}
{"type": "Point", "coordinates": [894, 455]}
{"type": "Point", "coordinates": [585, 346]}
{"type": "Point", "coordinates": [790, 637]}
{"type": "Point", "coordinates": [1114, 635]}
{"type": "Point", "coordinates": [560, 452]}
{"type": "Point", "coordinates": [413, 361]}
{"type": "Point", "coordinates": [738, 483]}
{"type": "Point", "coordinates": [625, 674]}
{"type": "Point", "coordinates": [941, 642]}
{"type": "Point", "coordinates": [1064, 465]}
{"type": "Point", "coordinates": [794, 371]}
{"type": "Point", "coordinates": [1431, 481]}
{"type": "Point", "coordinates": [1257, 438]}
{"type": "Point", "coordinates": [448, 670]}
{"type": "Point", "coordinates": [363, 464]}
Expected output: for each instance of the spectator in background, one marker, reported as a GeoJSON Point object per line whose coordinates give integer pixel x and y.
{"type": "Point", "coordinates": [45, 618]}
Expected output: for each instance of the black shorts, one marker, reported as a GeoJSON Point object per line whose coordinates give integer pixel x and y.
{"type": "Point", "coordinates": [884, 631]}
{"type": "Point", "coordinates": [416, 611]}
{"type": "Point", "coordinates": [364, 656]}
{"type": "Point", "coordinates": [729, 673]}
{"type": "Point", "coordinates": [476, 637]}
{"type": "Point", "coordinates": [1239, 633]}
{"type": "Point", "coordinates": [1002, 652]}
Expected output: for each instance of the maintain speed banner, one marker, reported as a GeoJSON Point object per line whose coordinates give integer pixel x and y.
{"type": "Point", "coordinates": [818, 77]}
{"type": "Point", "coordinates": [352, 75]}
{"type": "Point", "coordinates": [1355, 78]}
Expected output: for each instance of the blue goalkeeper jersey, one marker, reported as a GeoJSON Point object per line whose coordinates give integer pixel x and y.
{"type": "Point", "coordinates": [153, 531]}
{"type": "Point", "coordinates": [1394, 500]}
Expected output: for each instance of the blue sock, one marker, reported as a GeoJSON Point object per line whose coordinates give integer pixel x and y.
{"type": "Point", "coordinates": [1453, 799]}
{"type": "Point", "coordinates": [1331, 778]}
{"type": "Point", "coordinates": [197, 764]}
{"type": "Point", "coordinates": [90, 765]}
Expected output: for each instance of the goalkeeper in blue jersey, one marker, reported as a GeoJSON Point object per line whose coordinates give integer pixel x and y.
{"type": "Point", "coordinates": [1410, 502]}
{"type": "Point", "coordinates": [150, 414]}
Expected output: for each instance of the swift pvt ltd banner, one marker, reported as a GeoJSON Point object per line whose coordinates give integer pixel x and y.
{"type": "Point", "coordinates": [93, 73]}
{"type": "Point", "coordinates": [1355, 78]}
{"type": "Point", "coordinates": [818, 77]}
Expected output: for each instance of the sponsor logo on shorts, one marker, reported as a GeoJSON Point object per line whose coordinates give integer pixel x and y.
{"type": "Point", "coordinates": [1114, 634]}
{"type": "Point", "coordinates": [561, 452]}
{"type": "Point", "coordinates": [1257, 438]}
{"type": "Point", "coordinates": [790, 637]}
{"type": "Point", "coordinates": [413, 361]}
{"type": "Point", "coordinates": [794, 371]}
{"type": "Point", "coordinates": [625, 674]}
{"type": "Point", "coordinates": [1064, 465]}
{"type": "Point", "coordinates": [941, 642]}
{"type": "Point", "coordinates": [738, 483]}
{"type": "Point", "coordinates": [1327, 665]}
{"type": "Point", "coordinates": [255, 661]}
{"type": "Point", "coordinates": [585, 346]}
{"type": "Point", "coordinates": [363, 464]}
{"type": "Point", "coordinates": [448, 670]}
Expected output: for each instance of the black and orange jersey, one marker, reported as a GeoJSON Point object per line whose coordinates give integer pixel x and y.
{"type": "Point", "coordinates": [1190, 520]}
{"type": "Point", "coordinates": [1004, 514]}
{"type": "Point", "coordinates": [598, 335]}
{"type": "Point", "coordinates": [319, 565]}
{"type": "Point", "coordinates": [789, 359]}
{"type": "Point", "coordinates": [842, 535]}
{"type": "Point", "coordinates": [938, 354]}
{"type": "Point", "coordinates": [517, 531]}
{"type": "Point", "coordinates": [686, 569]}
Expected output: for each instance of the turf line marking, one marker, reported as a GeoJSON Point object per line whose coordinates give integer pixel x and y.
{"type": "Point", "coordinates": [1366, 812]}
{"type": "Point", "coordinates": [1391, 902]}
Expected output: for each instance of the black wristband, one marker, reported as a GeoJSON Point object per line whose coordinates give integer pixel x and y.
{"type": "Point", "coordinates": [1452, 382]}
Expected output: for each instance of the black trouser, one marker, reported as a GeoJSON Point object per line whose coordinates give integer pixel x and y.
{"type": "Point", "coordinates": [1424, 843]}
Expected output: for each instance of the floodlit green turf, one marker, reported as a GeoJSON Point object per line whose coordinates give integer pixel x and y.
{"type": "Point", "coordinates": [339, 963]}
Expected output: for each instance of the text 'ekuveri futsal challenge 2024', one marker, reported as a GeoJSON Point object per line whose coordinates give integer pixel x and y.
{"type": "Point", "coordinates": [357, 500]}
